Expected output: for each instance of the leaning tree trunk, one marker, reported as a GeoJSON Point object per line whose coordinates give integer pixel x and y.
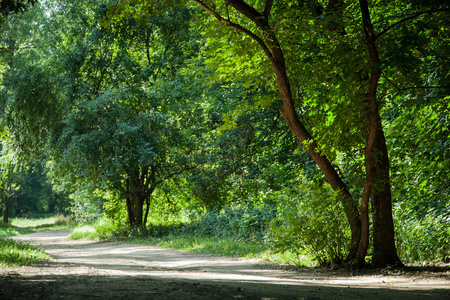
{"type": "Point", "coordinates": [272, 49]}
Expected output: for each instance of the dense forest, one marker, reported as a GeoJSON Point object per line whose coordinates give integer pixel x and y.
{"type": "Point", "coordinates": [321, 127]}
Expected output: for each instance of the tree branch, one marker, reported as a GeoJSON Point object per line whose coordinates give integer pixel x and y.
{"type": "Point", "coordinates": [267, 8]}
{"type": "Point", "coordinates": [409, 18]}
{"type": "Point", "coordinates": [238, 27]}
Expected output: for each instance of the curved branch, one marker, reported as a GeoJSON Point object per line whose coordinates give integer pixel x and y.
{"type": "Point", "coordinates": [409, 18]}
{"type": "Point", "coordinates": [227, 22]}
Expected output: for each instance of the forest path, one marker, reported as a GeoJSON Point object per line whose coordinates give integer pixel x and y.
{"type": "Point", "coordinates": [84, 269]}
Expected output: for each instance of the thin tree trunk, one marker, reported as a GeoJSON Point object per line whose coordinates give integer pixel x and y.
{"type": "Point", "coordinates": [6, 208]}
{"type": "Point", "coordinates": [147, 201]}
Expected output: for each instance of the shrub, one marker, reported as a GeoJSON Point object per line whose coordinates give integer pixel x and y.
{"type": "Point", "coordinates": [425, 239]}
{"type": "Point", "coordinates": [313, 223]}
{"type": "Point", "coordinates": [238, 223]}
{"type": "Point", "coordinates": [63, 220]}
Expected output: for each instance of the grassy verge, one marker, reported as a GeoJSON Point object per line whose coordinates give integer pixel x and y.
{"type": "Point", "coordinates": [8, 230]}
{"type": "Point", "coordinates": [14, 253]}
{"type": "Point", "coordinates": [225, 246]}
{"type": "Point", "coordinates": [55, 222]}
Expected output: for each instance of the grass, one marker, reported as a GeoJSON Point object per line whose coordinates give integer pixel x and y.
{"type": "Point", "coordinates": [8, 230]}
{"type": "Point", "coordinates": [53, 222]}
{"type": "Point", "coordinates": [225, 246]}
{"type": "Point", "coordinates": [85, 232]}
{"type": "Point", "coordinates": [243, 248]}
{"type": "Point", "coordinates": [14, 253]}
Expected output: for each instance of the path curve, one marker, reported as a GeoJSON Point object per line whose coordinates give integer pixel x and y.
{"type": "Point", "coordinates": [84, 269]}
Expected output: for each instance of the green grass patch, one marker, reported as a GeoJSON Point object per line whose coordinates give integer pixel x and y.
{"type": "Point", "coordinates": [227, 247]}
{"type": "Point", "coordinates": [55, 222]}
{"type": "Point", "coordinates": [84, 232]}
{"type": "Point", "coordinates": [13, 254]}
{"type": "Point", "coordinates": [8, 230]}
{"type": "Point", "coordinates": [210, 245]}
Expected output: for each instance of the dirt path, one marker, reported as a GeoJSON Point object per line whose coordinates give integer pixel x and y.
{"type": "Point", "coordinates": [117, 270]}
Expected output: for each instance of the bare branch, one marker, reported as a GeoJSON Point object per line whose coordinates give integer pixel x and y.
{"type": "Point", "coordinates": [426, 87]}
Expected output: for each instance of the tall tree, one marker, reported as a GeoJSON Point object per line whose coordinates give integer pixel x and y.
{"type": "Point", "coordinates": [333, 33]}
{"type": "Point", "coordinates": [257, 26]}
{"type": "Point", "coordinates": [107, 108]}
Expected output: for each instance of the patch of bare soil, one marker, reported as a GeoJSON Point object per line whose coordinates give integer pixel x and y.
{"type": "Point", "coordinates": [118, 270]}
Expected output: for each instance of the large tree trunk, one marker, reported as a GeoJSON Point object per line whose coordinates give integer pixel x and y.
{"type": "Point", "coordinates": [138, 211]}
{"type": "Point", "coordinates": [135, 210]}
{"type": "Point", "coordinates": [377, 182]}
{"type": "Point", "coordinates": [384, 250]}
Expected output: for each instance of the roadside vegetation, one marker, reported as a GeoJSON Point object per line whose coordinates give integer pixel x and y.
{"type": "Point", "coordinates": [254, 233]}
{"type": "Point", "coordinates": [15, 253]}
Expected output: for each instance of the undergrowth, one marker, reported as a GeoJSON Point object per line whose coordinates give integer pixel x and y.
{"type": "Point", "coordinates": [303, 234]}
{"type": "Point", "coordinates": [238, 232]}
{"type": "Point", "coordinates": [14, 253]}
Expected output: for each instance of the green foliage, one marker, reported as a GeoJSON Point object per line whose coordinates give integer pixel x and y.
{"type": "Point", "coordinates": [13, 254]}
{"type": "Point", "coordinates": [238, 223]}
{"type": "Point", "coordinates": [422, 240]}
{"type": "Point", "coordinates": [14, 6]}
{"type": "Point", "coordinates": [86, 206]}
{"type": "Point", "coordinates": [8, 230]}
{"type": "Point", "coordinates": [312, 222]}
{"type": "Point", "coordinates": [104, 228]}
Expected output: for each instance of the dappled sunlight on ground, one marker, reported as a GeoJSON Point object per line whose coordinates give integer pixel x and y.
{"type": "Point", "coordinates": [79, 264]}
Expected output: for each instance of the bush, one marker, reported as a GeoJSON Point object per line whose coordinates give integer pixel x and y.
{"type": "Point", "coordinates": [63, 220]}
{"type": "Point", "coordinates": [424, 239]}
{"type": "Point", "coordinates": [313, 223]}
{"type": "Point", "coordinates": [239, 223]}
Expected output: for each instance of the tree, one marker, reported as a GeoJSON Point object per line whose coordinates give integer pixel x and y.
{"type": "Point", "coordinates": [107, 109]}
{"type": "Point", "coordinates": [338, 29]}
{"type": "Point", "coordinates": [10, 179]}
{"type": "Point", "coordinates": [266, 38]}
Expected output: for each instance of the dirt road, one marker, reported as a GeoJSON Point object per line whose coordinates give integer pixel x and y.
{"type": "Point", "coordinates": [117, 270]}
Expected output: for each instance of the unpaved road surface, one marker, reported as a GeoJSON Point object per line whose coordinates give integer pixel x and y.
{"type": "Point", "coordinates": [83, 269]}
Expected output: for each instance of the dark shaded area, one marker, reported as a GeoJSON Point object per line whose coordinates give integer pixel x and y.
{"type": "Point", "coordinates": [146, 287]}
